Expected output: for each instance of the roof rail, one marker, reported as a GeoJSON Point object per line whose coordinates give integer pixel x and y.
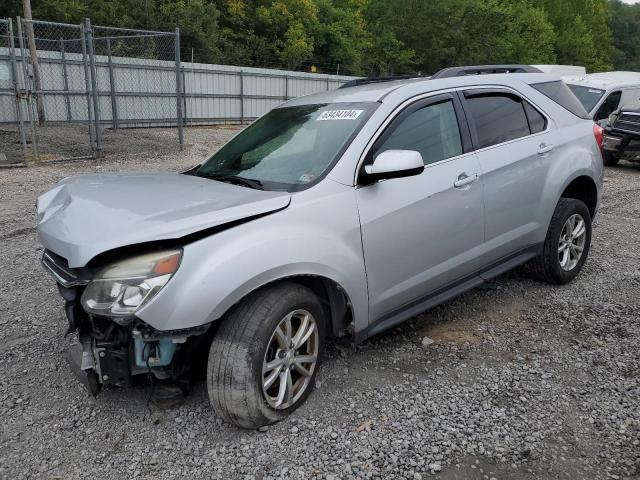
{"type": "Point", "coordinates": [367, 80]}
{"type": "Point", "coordinates": [483, 69]}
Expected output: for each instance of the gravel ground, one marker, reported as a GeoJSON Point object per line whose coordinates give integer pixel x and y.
{"type": "Point", "coordinates": [522, 380]}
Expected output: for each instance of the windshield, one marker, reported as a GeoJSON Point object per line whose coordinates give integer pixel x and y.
{"type": "Point", "coordinates": [288, 148]}
{"type": "Point", "coordinates": [588, 96]}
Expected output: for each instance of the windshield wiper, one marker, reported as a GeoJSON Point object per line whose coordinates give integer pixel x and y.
{"type": "Point", "coordinates": [234, 179]}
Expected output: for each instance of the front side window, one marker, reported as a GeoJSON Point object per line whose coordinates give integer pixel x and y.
{"type": "Point", "coordinates": [289, 147]}
{"type": "Point", "coordinates": [497, 118]}
{"type": "Point", "coordinates": [432, 130]}
{"type": "Point", "coordinates": [609, 105]}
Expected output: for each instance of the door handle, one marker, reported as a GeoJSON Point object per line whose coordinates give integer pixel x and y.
{"type": "Point", "coordinates": [465, 179]}
{"type": "Point", "coordinates": [544, 148]}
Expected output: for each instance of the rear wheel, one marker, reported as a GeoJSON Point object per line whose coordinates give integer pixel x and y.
{"type": "Point", "coordinates": [264, 358]}
{"type": "Point", "coordinates": [609, 158]}
{"type": "Point", "coordinates": [567, 243]}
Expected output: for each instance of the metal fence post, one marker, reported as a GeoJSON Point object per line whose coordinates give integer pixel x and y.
{"type": "Point", "coordinates": [87, 87]}
{"type": "Point", "coordinates": [94, 86]}
{"type": "Point", "coordinates": [112, 88]}
{"type": "Point", "coordinates": [241, 97]}
{"type": "Point", "coordinates": [286, 87]}
{"type": "Point", "coordinates": [28, 89]}
{"type": "Point", "coordinates": [65, 79]}
{"type": "Point", "coordinates": [185, 112]}
{"type": "Point", "coordinates": [327, 83]}
{"type": "Point", "coordinates": [16, 89]}
{"type": "Point", "coordinates": [178, 89]}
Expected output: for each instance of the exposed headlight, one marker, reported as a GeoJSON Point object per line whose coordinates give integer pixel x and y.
{"type": "Point", "coordinates": [121, 288]}
{"type": "Point", "coordinates": [612, 118]}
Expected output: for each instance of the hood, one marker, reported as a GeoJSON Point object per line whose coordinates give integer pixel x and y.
{"type": "Point", "coordinates": [86, 215]}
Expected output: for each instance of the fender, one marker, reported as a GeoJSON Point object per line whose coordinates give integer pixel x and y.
{"type": "Point", "coordinates": [218, 271]}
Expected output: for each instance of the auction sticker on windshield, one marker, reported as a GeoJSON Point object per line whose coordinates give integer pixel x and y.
{"type": "Point", "coordinates": [340, 114]}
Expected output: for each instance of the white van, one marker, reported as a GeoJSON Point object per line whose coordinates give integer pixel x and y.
{"type": "Point", "coordinates": [603, 93]}
{"type": "Point", "coordinates": [562, 70]}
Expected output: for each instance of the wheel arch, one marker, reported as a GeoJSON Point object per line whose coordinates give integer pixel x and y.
{"type": "Point", "coordinates": [583, 188]}
{"type": "Point", "coordinates": [333, 297]}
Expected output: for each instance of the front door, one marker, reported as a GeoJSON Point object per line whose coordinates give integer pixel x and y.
{"type": "Point", "coordinates": [420, 233]}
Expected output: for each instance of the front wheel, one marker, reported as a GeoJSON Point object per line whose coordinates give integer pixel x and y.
{"type": "Point", "coordinates": [567, 243]}
{"type": "Point", "coordinates": [264, 358]}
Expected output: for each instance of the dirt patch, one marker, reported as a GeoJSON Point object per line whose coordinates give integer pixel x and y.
{"type": "Point", "coordinates": [470, 329]}
{"type": "Point", "coordinates": [459, 333]}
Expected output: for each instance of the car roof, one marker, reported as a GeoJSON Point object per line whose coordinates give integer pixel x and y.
{"type": "Point", "coordinates": [605, 80]}
{"type": "Point", "coordinates": [377, 92]}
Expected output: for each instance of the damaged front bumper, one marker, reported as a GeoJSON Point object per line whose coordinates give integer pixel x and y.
{"type": "Point", "coordinates": [112, 352]}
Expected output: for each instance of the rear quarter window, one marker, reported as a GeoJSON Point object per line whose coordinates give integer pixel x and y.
{"type": "Point", "coordinates": [560, 93]}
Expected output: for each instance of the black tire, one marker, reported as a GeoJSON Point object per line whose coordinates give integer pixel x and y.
{"type": "Point", "coordinates": [234, 370]}
{"type": "Point", "coordinates": [609, 158]}
{"type": "Point", "coordinates": [546, 266]}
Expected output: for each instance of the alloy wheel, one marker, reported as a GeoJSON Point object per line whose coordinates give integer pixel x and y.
{"type": "Point", "coordinates": [290, 359]}
{"type": "Point", "coordinates": [571, 243]}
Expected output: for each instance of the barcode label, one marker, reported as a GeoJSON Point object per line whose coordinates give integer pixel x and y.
{"type": "Point", "coordinates": [340, 114]}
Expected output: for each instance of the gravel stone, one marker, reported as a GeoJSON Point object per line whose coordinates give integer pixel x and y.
{"type": "Point", "coordinates": [523, 380]}
{"type": "Point", "coordinates": [426, 341]}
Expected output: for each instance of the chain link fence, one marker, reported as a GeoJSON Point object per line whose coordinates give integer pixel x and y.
{"type": "Point", "coordinates": [66, 89]}
{"type": "Point", "coordinates": [72, 91]}
{"type": "Point", "coordinates": [55, 70]}
{"type": "Point", "coordinates": [13, 138]}
{"type": "Point", "coordinates": [138, 79]}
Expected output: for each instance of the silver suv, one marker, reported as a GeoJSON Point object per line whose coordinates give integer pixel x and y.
{"type": "Point", "coordinates": [339, 214]}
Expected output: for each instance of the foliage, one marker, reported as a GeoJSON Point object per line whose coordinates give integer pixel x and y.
{"type": "Point", "coordinates": [625, 24]}
{"type": "Point", "coordinates": [582, 32]}
{"type": "Point", "coordinates": [375, 37]}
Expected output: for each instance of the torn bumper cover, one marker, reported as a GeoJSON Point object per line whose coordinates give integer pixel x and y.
{"type": "Point", "coordinates": [114, 352]}
{"type": "Point", "coordinates": [81, 364]}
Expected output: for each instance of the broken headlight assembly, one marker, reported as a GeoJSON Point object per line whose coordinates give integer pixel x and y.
{"type": "Point", "coordinates": [121, 288]}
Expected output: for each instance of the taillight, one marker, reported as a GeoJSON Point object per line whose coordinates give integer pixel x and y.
{"type": "Point", "coordinates": [598, 132]}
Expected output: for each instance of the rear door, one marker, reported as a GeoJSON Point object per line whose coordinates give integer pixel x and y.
{"type": "Point", "coordinates": [514, 151]}
{"type": "Point", "coordinates": [421, 233]}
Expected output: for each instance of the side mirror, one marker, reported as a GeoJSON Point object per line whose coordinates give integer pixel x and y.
{"type": "Point", "coordinates": [395, 164]}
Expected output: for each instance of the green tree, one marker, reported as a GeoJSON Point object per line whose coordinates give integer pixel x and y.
{"type": "Point", "coordinates": [583, 34]}
{"type": "Point", "coordinates": [444, 33]}
{"type": "Point", "coordinates": [625, 26]}
{"type": "Point", "coordinates": [341, 36]}
{"type": "Point", "coordinates": [375, 37]}
{"type": "Point", "coordinates": [288, 26]}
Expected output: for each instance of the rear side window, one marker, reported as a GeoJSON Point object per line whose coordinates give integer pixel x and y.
{"type": "Point", "coordinates": [537, 122]}
{"type": "Point", "coordinates": [432, 131]}
{"type": "Point", "coordinates": [560, 93]}
{"type": "Point", "coordinates": [497, 118]}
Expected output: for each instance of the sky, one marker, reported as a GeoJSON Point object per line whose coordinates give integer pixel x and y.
{"type": "Point", "coordinates": [631, 1]}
